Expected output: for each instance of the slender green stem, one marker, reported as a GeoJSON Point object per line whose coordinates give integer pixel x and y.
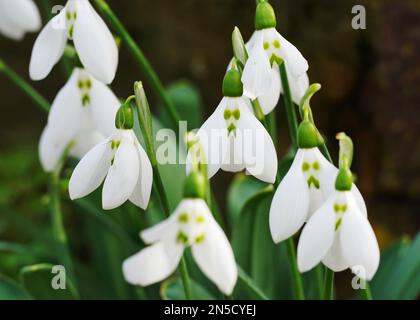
{"type": "Point", "coordinates": [288, 103]}
{"type": "Point", "coordinates": [186, 279]}
{"type": "Point", "coordinates": [59, 233]}
{"type": "Point", "coordinates": [366, 293]}
{"type": "Point", "coordinates": [142, 61]}
{"type": "Point", "coordinates": [319, 274]}
{"type": "Point", "coordinates": [297, 279]}
{"type": "Point", "coordinates": [329, 284]}
{"type": "Point", "coordinates": [249, 283]}
{"type": "Point", "coordinates": [24, 86]}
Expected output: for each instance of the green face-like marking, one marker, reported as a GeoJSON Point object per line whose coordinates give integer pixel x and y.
{"type": "Point", "coordinates": [231, 116]}
{"type": "Point", "coordinates": [339, 211]}
{"type": "Point", "coordinates": [312, 180]}
{"type": "Point", "coordinates": [71, 18]}
{"type": "Point", "coordinates": [84, 86]}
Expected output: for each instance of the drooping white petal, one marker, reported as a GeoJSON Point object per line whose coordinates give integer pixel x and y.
{"type": "Point", "coordinates": [258, 148]}
{"type": "Point", "coordinates": [212, 136]}
{"type": "Point", "coordinates": [271, 95]}
{"type": "Point", "coordinates": [122, 176]}
{"type": "Point", "coordinates": [359, 199]}
{"type": "Point", "coordinates": [84, 142]}
{"type": "Point", "coordinates": [296, 63]}
{"type": "Point", "coordinates": [94, 43]}
{"type": "Point", "coordinates": [317, 237]}
{"type": "Point", "coordinates": [104, 105]}
{"type": "Point", "coordinates": [66, 111]}
{"type": "Point", "coordinates": [50, 151]}
{"type": "Point", "coordinates": [9, 29]}
{"type": "Point", "coordinates": [141, 194]}
{"type": "Point", "coordinates": [298, 87]}
{"type": "Point", "coordinates": [156, 232]}
{"type": "Point", "coordinates": [48, 47]}
{"type": "Point", "coordinates": [152, 264]}
{"type": "Point", "coordinates": [334, 259]}
{"type": "Point", "coordinates": [290, 205]}
{"type": "Point", "coordinates": [90, 171]}
{"type": "Point", "coordinates": [257, 74]}
{"type": "Point", "coordinates": [358, 241]}
{"type": "Point", "coordinates": [215, 257]}
{"type": "Point", "coordinates": [233, 157]}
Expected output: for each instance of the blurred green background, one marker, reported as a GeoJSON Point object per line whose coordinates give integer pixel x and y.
{"type": "Point", "coordinates": [371, 90]}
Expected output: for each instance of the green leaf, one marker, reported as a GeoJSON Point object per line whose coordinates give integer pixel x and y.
{"type": "Point", "coordinates": [173, 289]}
{"type": "Point", "coordinates": [398, 276]}
{"type": "Point", "coordinates": [38, 281]}
{"type": "Point", "coordinates": [10, 290]}
{"type": "Point", "coordinates": [188, 103]}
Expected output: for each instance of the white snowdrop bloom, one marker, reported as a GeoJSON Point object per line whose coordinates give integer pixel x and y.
{"type": "Point", "coordinates": [306, 186]}
{"type": "Point", "coordinates": [339, 235]}
{"type": "Point", "coordinates": [18, 17]}
{"type": "Point", "coordinates": [92, 39]}
{"type": "Point", "coordinates": [233, 139]}
{"type": "Point", "coordinates": [124, 165]}
{"type": "Point", "coordinates": [191, 224]}
{"type": "Point", "coordinates": [82, 113]}
{"type": "Point", "coordinates": [266, 48]}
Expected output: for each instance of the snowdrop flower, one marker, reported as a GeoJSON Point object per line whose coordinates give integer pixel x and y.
{"type": "Point", "coordinates": [306, 186]}
{"type": "Point", "coordinates": [18, 17]}
{"type": "Point", "coordinates": [93, 41]}
{"type": "Point", "coordinates": [267, 50]}
{"type": "Point", "coordinates": [121, 161]}
{"type": "Point", "coordinates": [233, 139]}
{"type": "Point", "coordinates": [191, 225]}
{"type": "Point", "coordinates": [82, 114]}
{"type": "Point", "coordinates": [339, 234]}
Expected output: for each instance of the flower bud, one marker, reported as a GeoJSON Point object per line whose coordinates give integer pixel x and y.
{"type": "Point", "coordinates": [239, 49]}
{"type": "Point", "coordinates": [344, 180]}
{"type": "Point", "coordinates": [308, 135]}
{"type": "Point", "coordinates": [124, 118]}
{"type": "Point", "coordinates": [195, 185]}
{"type": "Point", "coordinates": [232, 84]}
{"type": "Point", "coordinates": [265, 17]}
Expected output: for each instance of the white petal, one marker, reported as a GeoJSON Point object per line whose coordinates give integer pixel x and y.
{"type": "Point", "coordinates": [290, 205]}
{"type": "Point", "coordinates": [152, 264]}
{"type": "Point", "coordinates": [141, 194]}
{"type": "Point", "coordinates": [258, 148]}
{"type": "Point", "coordinates": [90, 171]}
{"type": "Point", "coordinates": [359, 245]}
{"type": "Point", "coordinates": [294, 59]}
{"type": "Point", "coordinates": [257, 73]}
{"type": "Point", "coordinates": [48, 47]}
{"type": "Point", "coordinates": [212, 136]}
{"type": "Point", "coordinates": [94, 43]}
{"type": "Point", "coordinates": [122, 176]}
{"type": "Point", "coordinates": [50, 151]}
{"type": "Point", "coordinates": [334, 258]}
{"type": "Point", "coordinates": [317, 237]}
{"type": "Point", "coordinates": [215, 257]}
{"type": "Point", "coordinates": [233, 157]}
{"type": "Point", "coordinates": [359, 200]}
{"type": "Point", "coordinates": [84, 142]}
{"type": "Point", "coordinates": [298, 87]}
{"type": "Point", "coordinates": [271, 95]}
{"type": "Point", "coordinates": [104, 106]}
{"type": "Point", "coordinates": [156, 232]}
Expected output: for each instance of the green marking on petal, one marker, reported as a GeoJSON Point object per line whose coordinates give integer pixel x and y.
{"type": "Point", "coordinates": [183, 218]}
{"type": "Point", "coordinates": [316, 166]}
{"type": "Point", "coordinates": [68, 15]}
{"type": "Point", "coordinates": [276, 44]}
{"type": "Point", "coordinates": [200, 219]}
{"type": "Point", "coordinates": [338, 208]}
{"type": "Point", "coordinates": [71, 31]}
{"type": "Point", "coordinates": [313, 181]}
{"type": "Point", "coordinates": [231, 128]}
{"type": "Point", "coordinates": [80, 84]}
{"type": "Point", "coordinates": [338, 223]}
{"type": "Point", "coordinates": [182, 237]}
{"type": "Point", "coordinates": [276, 59]}
{"type": "Point", "coordinates": [88, 84]}
{"type": "Point", "coordinates": [115, 144]}
{"type": "Point", "coordinates": [227, 114]}
{"type": "Point", "coordinates": [236, 114]}
{"type": "Point", "coordinates": [266, 45]}
{"type": "Point", "coordinates": [75, 15]}
{"type": "Point", "coordinates": [305, 166]}
{"type": "Point", "coordinates": [200, 238]}
{"type": "Point", "coordinates": [85, 99]}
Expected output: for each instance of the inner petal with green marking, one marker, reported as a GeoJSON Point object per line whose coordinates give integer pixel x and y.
{"type": "Point", "coordinates": [231, 116]}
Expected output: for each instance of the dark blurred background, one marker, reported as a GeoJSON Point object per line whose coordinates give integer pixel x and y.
{"type": "Point", "coordinates": [370, 79]}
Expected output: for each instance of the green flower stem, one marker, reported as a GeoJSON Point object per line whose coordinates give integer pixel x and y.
{"type": "Point", "coordinates": [293, 127]}
{"type": "Point", "coordinates": [319, 274]}
{"type": "Point", "coordinates": [59, 233]}
{"type": "Point", "coordinates": [366, 293]}
{"type": "Point", "coordinates": [329, 285]}
{"type": "Point", "coordinates": [141, 60]}
{"type": "Point", "coordinates": [297, 279]}
{"type": "Point", "coordinates": [249, 283]}
{"type": "Point", "coordinates": [24, 86]}
{"type": "Point", "coordinates": [288, 103]}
